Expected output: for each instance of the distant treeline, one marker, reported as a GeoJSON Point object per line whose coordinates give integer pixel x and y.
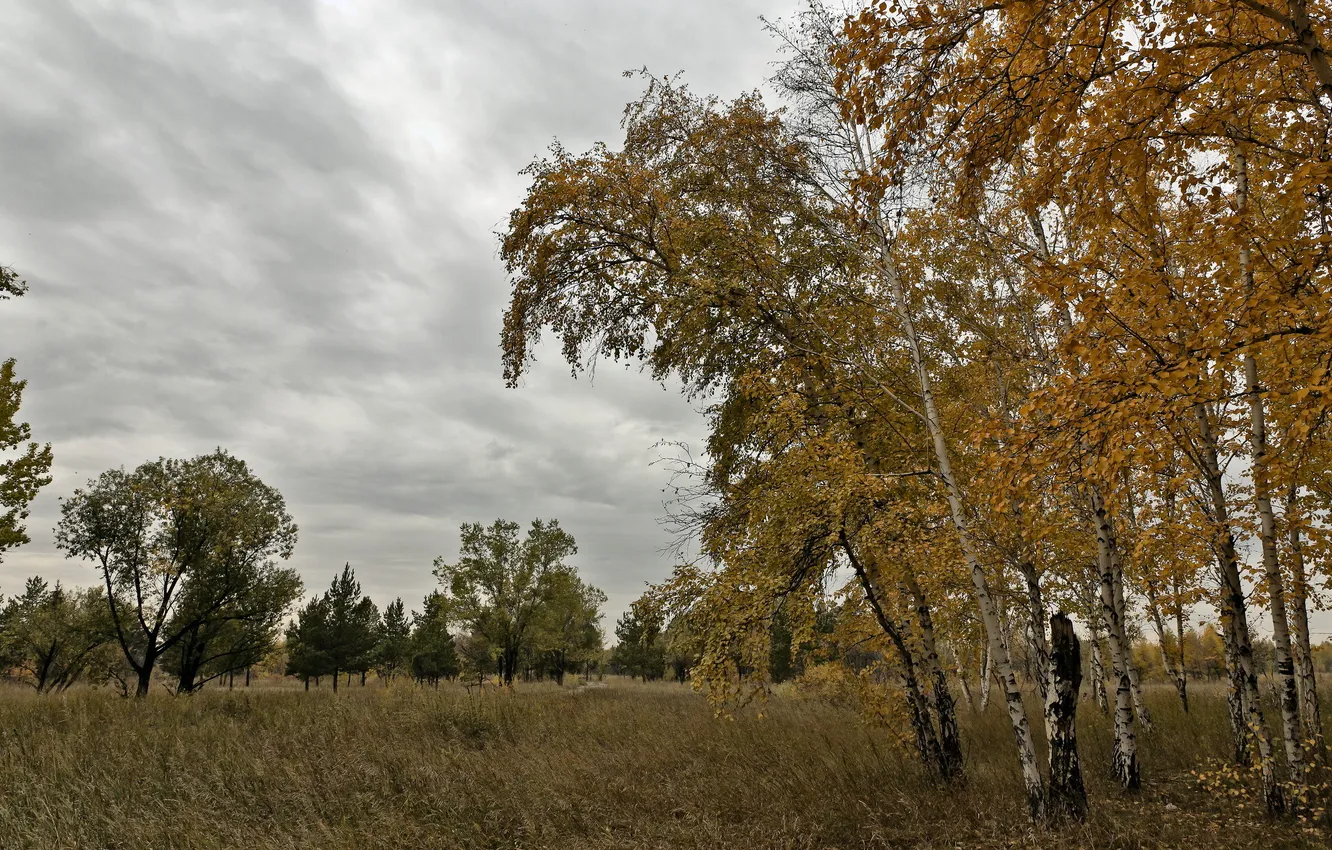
{"type": "Point", "coordinates": [190, 555]}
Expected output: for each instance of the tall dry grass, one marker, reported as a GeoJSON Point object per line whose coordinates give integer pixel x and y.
{"type": "Point", "coordinates": [626, 766]}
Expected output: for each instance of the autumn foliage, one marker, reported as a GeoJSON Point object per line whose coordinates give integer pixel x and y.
{"type": "Point", "coordinates": [1010, 309]}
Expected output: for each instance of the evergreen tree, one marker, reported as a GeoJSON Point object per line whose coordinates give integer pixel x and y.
{"type": "Point", "coordinates": [433, 654]}
{"type": "Point", "coordinates": [353, 627]}
{"type": "Point", "coordinates": [394, 653]}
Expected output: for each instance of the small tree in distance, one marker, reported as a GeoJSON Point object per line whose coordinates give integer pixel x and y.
{"type": "Point", "coordinates": [393, 655]}
{"type": "Point", "coordinates": [431, 647]}
{"type": "Point", "coordinates": [182, 545]}
{"type": "Point", "coordinates": [499, 583]}
{"type": "Point", "coordinates": [352, 630]}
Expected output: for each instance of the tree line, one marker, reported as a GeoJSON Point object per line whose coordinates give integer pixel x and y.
{"type": "Point", "coordinates": [192, 586]}
{"type": "Point", "coordinates": [1013, 314]}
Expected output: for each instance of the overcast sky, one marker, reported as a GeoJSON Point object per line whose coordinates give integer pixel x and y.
{"type": "Point", "coordinates": [269, 226]}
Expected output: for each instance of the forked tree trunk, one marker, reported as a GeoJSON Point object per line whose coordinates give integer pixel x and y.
{"type": "Point", "coordinates": [1234, 617]}
{"type": "Point", "coordinates": [945, 708]}
{"type": "Point", "coordinates": [1175, 672]}
{"type": "Point", "coordinates": [1067, 796]}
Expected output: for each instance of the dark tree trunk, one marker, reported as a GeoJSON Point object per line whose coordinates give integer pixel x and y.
{"type": "Point", "coordinates": [307, 683]}
{"type": "Point", "coordinates": [510, 664]}
{"type": "Point", "coordinates": [337, 674]}
{"type": "Point", "coordinates": [247, 677]}
{"type": "Point", "coordinates": [145, 679]}
{"type": "Point", "coordinates": [363, 678]}
{"type": "Point", "coordinates": [1067, 796]}
{"type": "Point", "coordinates": [145, 673]}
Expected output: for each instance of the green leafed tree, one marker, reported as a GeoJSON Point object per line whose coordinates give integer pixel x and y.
{"type": "Point", "coordinates": [568, 627]}
{"type": "Point", "coordinates": [182, 545]}
{"type": "Point", "coordinates": [245, 632]}
{"type": "Point", "coordinates": [500, 582]}
{"type": "Point", "coordinates": [640, 649]}
{"type": "Point", "coordinates": [431, 647]}
{"type": "Point", "coordinates": [55, 636]}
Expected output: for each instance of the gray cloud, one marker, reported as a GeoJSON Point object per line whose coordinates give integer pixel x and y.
{"type": "Point", "coordinates": [270, 226]}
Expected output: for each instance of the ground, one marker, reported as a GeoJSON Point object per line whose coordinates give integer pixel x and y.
{"type": "Point", "coordinates": [623, 766]}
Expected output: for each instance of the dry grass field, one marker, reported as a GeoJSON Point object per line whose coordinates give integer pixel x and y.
{"type": "Point", "coordinates": [623, 766]}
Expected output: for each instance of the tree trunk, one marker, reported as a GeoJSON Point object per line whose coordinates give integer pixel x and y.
{"type": "Point", "coordinates": [1098, 669]}
{"type": "Point", "coordinates": [511, 665]}
{"type": "Point", "coordinates": [337, 674]}
{"type": "Point", "coordinates": [1234, 617]}
{"type": "Point", "coordinates": [927, 742]}
{"type": "Point", "coordinates": [962, 679]}
{"type": "Point", "coordinates": [985, 678]}
{"type": "Point", "coordinates": [1126, 768]}
{"type": "Point", "coordinates": [945, 707]}
{"type": "Point", "coordinates": [145, 675]}
{"type": "Point", "coordinates": [1067, 795]}
{"type": "Point", "coordinates": [1039, 649]}
{"type": "Point", "coordinates": [307, 683]}
{"type": "Point", "coordinates": [1176, 673]}
{"type": "Point", "coordinates": [1302, 650]}
{"type": "Point", "coordinates": [1017, 712]}
{"type": "Point", "coordinates": [1143, 716]}
{"type": "Point", "coordinates": [1262, 498]}
{"type": "Point", "coordinates": [363, 678]}
{"type": "Point", "coordinates": [247, 677]}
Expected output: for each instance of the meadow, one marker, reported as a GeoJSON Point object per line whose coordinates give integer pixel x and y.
{"type": "Point", "coordinates": [624, 765]}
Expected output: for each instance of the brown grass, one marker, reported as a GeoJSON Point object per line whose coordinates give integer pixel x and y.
{"type": "Point", "coordinates": [628, 766]}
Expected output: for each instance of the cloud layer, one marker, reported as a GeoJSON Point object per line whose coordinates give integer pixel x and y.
{"type": "Point", "coordinates": [269, 226]}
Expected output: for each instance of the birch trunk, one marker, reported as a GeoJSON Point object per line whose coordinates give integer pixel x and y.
{"type": "Point", "coordinates": [1017, 712]}
{"type": "Point", "coordinates": [945, 708]}
{"type": "Point", "coordinates": [1141, 714]}
{"type": "Point", "coordinates": [1262, 498]}
{"type": "Point", "coordinates": [1125, 758]}
{"type": "Point", "coordinates": [1299, 622]}
{"type": "Point", "coordinates": [1175, 672]}
{"type": "Point", "coordinates": [1098, 669]}
{"type": "Point", "coordinates": [985, 679]}
{"type": "Point", "coordinates": [962, 678]}
{"type": "Point", "coordinates": [927, 742]}
{"type": "Point", "coordinates": [1234, 619]}
{"type": "Point", "coordinates": [1039, 647]}
{"type": "Point", "coordinates": [1285, 665]}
